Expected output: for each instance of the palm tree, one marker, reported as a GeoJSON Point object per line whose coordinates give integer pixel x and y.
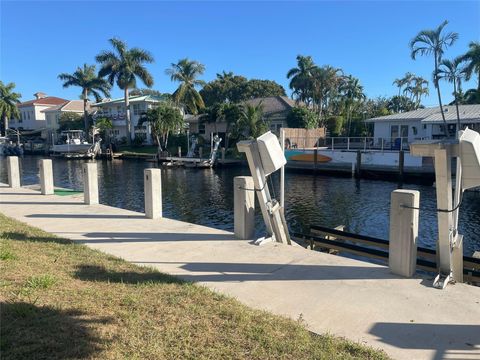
{"type": "Point", "coordinates": [417, 88]}
{"type": "Point", "coordinates": [352, 91]}
{"type": "Point", "coordinates": [124, 66]}
{"type": "Point", "coordinates": [186, 72]}
{"type": "Point", "coordinates": [251, 123]}
{"type": "Point", "coordinates": [428, 42]}
{"type": "Point", "coordinates": [301, 78]}
{"type": "Point", "coordinates": [8, 103]}
{"type": "Point", "coordinates": [472, 59]}
{"type": "Point", "coordinates": [91, 84]}
{"type": "Point", "coordinates": [452, 72]}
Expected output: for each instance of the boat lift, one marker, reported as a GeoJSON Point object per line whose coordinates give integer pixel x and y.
{"type": "Point", "coordinates": [466, 149]}
{"type": "Point", "coordinates": [265, 156]}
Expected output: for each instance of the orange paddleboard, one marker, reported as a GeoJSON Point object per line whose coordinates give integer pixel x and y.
{"type": "Point", "coordinates": [311, 158]}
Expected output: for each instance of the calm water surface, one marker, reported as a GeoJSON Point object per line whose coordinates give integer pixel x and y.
{"type": "Point", "coordinates": [206, 197]}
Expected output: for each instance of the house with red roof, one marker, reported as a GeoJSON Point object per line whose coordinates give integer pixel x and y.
{"type": "Point", "coordinates": [32, 115]}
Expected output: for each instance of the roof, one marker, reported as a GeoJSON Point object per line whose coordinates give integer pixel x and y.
{"type": "Point", "coordinates": [71, 105]}
{"type": "Point", "coordinates": [48, 100]}
{"type": "Point", "coordinates": [139, 98]}
{"type": "Point", "coordinates": [273, 104]}
{"type": "Point", "coordinates": [431, 115]}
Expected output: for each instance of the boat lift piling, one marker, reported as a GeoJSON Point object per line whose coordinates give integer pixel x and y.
{"type": "Point", "coordinates": [264, 156]}
{"type": "Point", "coordinates": [450, 243]}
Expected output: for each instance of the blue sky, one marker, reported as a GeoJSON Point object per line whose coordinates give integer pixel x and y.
{"type": "Point", "coordinates": [368, 39]}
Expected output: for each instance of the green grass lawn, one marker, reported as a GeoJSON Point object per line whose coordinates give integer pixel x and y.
{"type": "Point", "coordinates": [61, 300]}
{"type": "Point", "coordinates": [138, 150]}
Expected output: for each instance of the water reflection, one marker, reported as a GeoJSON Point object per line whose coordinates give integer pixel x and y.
{"type": "Point", "coordinates": [206, 197]}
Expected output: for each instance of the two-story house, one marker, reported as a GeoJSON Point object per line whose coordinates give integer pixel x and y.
{"type": "Point", "coordinates": [32, 115]}
{"type": "Point", "coordinates": [114, 109]}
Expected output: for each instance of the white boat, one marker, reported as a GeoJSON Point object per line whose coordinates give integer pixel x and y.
{"type": "Point", "coordinates": [75, 146]}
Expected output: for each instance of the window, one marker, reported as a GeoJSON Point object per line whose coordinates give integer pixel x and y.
{"type": "Point", "coordinates": [201, 128]}
{"type": "Point", "coordinates": [394, 131]}
{"type": "Point", "coordinates": [404, 131]}
{"type": "Point", "coordinates": [137, 110]}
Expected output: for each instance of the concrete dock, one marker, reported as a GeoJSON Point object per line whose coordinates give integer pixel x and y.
{"type": "Point", "coordinates": [361, 301]}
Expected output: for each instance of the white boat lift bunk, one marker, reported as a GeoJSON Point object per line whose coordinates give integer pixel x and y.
{"type": "Point", "coordinates": [450, 243]}
{"type": "Point", "coordinates": [265, 156]}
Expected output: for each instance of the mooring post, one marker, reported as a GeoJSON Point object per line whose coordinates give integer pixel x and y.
{"type": "Point", "coordinates": [223, 155]}
{"type": "Point", "coordinates": [46, 176]}
{"type": "Point", "coordinates": [179, 151]}
{"type": "Point", "coordinates": [401, 164]}
{"type": "Point", "coordinates": [244, 207]}
{"type": "Point", "coordinates": [315, 160]}
{"type": "Point", "coordinates": [90, 183]}
{"type": "Point", "coordinates": [358, 167]}
{"type": "Point", "coordinates": [402, 255]}
{"type": "Point", "coordinates": [200, 152]}
{"type": "Point", "coordinates": [153, 193]}
{"type": "Point", "coordinates": [13, 168]}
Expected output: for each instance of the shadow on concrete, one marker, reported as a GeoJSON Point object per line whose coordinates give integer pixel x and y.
{"type": "Point", "coordinates": [446, 340]}
{"type": "Point", "coordinates": [107, 237]}
{"type": "Point", "coordinates": [23, 237]}
{"type": "Point", "coordinates": [40, 203]}
{"type": "Point", "coordinates": [85, 216]}
{"type": "Point", "coordinates": [43, 332]}
{"type": "Point", "coordinates": [99, 273]}
{"type": "Point", "coordinates": [21, 194]}
{"type": "Point", "coordinates": [281, 272]}
{"type": "Point", "coordinates": [237, 272]}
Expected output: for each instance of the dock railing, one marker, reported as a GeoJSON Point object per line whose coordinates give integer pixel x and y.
{"type": "Point", "coordinates": [348, 143]}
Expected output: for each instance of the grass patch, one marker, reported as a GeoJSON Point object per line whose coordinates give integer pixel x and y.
{"type": "Point", "coordinates": [7, 254]}
{"type": "Point", "coordinates": [40, 282]}
{"type": "Point", "coordinates": [138, 150]}
{"type": "Point", "coordinates": [64, 300]}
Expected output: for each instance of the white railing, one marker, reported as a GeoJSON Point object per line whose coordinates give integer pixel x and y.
{"type": "Point", "coordinates": [349, 143]}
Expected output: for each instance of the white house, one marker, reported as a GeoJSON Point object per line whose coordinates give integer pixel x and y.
{"type": "Point", "coordinates": [422, 124]}
{"type": "Point", "coordinates": [52, 115]}
{"type": "Point", "coordinates": [32, 116]}
{"type": "Point", "coordinates": [115, 110]}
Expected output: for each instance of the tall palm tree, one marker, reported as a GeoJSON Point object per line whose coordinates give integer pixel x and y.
{"type": "Point", "coordinates": [352, 91]}
{"type": "Point", "coordinates": [186, 71]}
{"type": "Point", "coordinates": [472, 59]}
{"type": "Point", "coordinates": [301, 78]}
{"type": "Point", "coordinates": [433, 42]}
{"type": "Point", "coordinates": [86, 78]}
{"type": "Point", "coordinates": [124, 66]}
{"type": "Point", "coordinates": [453, 72]}
{"type": "Point", "coordinates": [8, 103]}
{"type": "Point", "coordinates": [400, 83]}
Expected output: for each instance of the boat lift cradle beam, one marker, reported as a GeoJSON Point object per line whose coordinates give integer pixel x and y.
{"type": "Point", "coordinates": [449, 243]}
{"type": "Point", "coordinates": [272, 212]}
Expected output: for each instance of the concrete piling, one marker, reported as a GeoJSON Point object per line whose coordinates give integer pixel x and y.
{"type": "Point", "coordinates": [153, 193]}
{"type": "Point", "coordinates": [13, 168]}
{"type": "Point", "coordinates": [402, 258]}
{"type": "Point", "coordinates": [46, 176]}
{"type": "Point", "coordinates": [244, 207]}
{"type": "Point", "coordinates": [90, 183]}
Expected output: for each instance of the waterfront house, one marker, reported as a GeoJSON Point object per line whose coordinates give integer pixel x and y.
{"type": "Point", "coordinates": [52, 114]}
{"type": "Point", "coordinates": [422, 124]}
{"type": "Point", "coordinates": [32, 115]}
{"type": "Point", "coordinates": [275, 112]}
{"type": "Point", "coordinates": [114, 109]}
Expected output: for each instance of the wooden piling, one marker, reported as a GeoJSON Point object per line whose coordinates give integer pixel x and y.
{"type": "Point", "coordinates": [358, 167]}
{"type": "Point", "coordinates": [401, 163]}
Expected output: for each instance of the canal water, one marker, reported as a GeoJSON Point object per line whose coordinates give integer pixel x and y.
{"type": "Point", "coordinates": [205, 196]}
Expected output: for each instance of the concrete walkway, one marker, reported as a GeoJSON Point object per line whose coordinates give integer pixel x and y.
{"type": "Point", "coordinates": [361, 301]}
